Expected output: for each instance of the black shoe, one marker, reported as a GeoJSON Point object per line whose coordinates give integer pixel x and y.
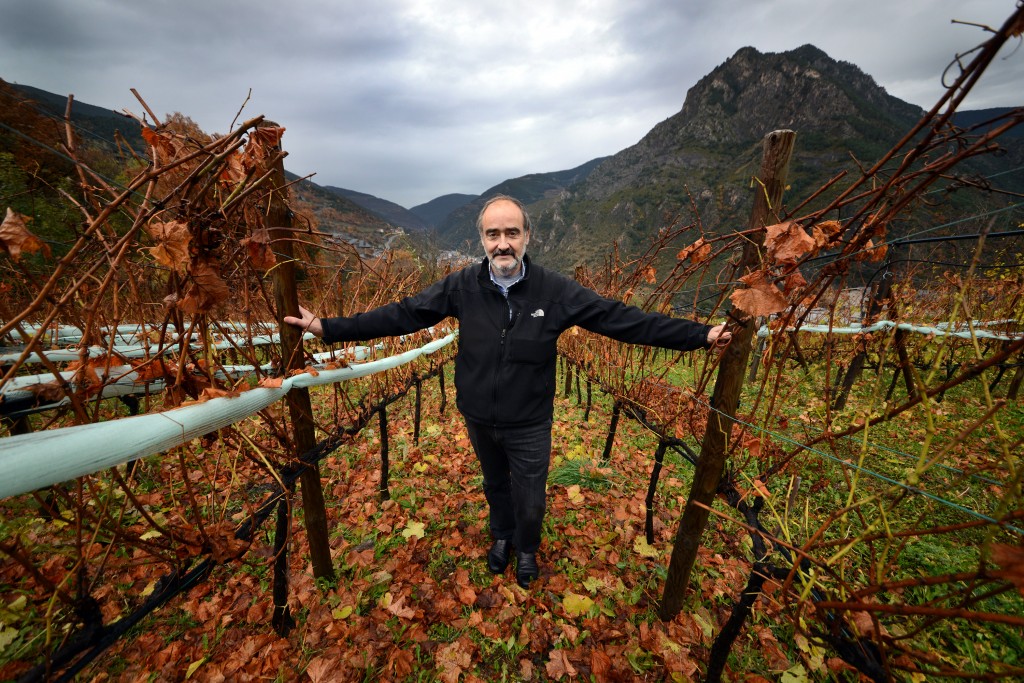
{"type": "Point", "coordinates": [497, 556]}
{"type": "Point", "coordinates": [526, 569]}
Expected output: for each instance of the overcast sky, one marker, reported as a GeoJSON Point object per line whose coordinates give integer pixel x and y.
{"type": "Point", "coordinates": [411, 99]}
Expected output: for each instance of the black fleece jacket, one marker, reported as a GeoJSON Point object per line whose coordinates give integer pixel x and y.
{"type": "Point", "coordinates": [505, 364]}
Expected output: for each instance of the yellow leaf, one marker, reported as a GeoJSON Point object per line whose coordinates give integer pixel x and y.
{"type": "Point", "coordinates": [593, 583]}
{"type": "Point", "coordinates": [18, 604]}
{"type": "Point", "coordinates": [795, 674]}
{"type": "Point", "coordinates": [193, 666]}
{"type": "Point", "coordinates": [152, 533]}
{"type": "Point", "coordinates": [419, 468]}
{"type": "Point", "coordinates": [414, 530]}
{"type": "Point", "coordinates": [150, 587]}
{"type": "Point", "coordinates": [342, 612]}
{"type": "Point", "coordinates": [574, 494]}
{"type": "Point", "coordinates": [7, 636]}
{"type": "Point", "coordinates": [576, 605]}
{"type": "Point", "coordinates": [643, 548]}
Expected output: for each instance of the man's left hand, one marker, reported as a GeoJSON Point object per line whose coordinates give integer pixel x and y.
{"type": "Point", "coordinates": [718, 336]}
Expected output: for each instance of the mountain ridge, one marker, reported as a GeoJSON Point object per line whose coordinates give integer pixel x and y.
{"type": "Point", "coordinates": [698, 161]}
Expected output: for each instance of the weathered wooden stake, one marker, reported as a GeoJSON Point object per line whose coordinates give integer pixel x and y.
{"type": "Point", "coordinates": [279, 224]}
{"type": "Point", "coordinates": [418, 413]}
{"type": "Point", "coordinates": [385, 462]}
{"type": "Point", "coordinates": [778, 146]}
{"type": "Point", "coordinates": [444, 396]}
{"type": "Point", "coordinates": [606, 456]}
{"type": "Point", "coordinates": [281, 619]}
{"type": "Point", "coordinates": [659, 459]}
{"type": "Point", "coordinates": [586, 413]}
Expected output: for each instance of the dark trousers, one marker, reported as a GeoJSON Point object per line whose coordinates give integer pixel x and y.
{"type": "Point", "coordinates": [515, 462]}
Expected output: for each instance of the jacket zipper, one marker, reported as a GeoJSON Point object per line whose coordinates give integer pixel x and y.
{"type": "Point", "coordinates": [501, 356]}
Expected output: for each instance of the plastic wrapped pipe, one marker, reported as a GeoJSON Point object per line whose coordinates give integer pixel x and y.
{"type": "Point", "coordinates": [19, 390]}
{"type": "Point", "coordinates": [32, 461]}
{"type": "Point", "coordinates": [136, 350]}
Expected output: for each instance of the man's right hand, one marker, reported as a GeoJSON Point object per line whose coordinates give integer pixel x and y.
{"type": "Point", "coordinates": [307, 323]}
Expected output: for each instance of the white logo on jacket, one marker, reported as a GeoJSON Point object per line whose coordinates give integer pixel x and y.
{"type": "Point", "coordinates": [539, 313]}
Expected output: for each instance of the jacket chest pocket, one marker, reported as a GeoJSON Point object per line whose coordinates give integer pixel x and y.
{"type": "Point", "coordinates": [530, 352]}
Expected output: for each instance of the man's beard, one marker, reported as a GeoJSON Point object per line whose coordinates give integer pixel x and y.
{"type": "Point", "coordinates": [506, 270]}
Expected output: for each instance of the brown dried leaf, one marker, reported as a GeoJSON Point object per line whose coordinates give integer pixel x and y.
{"type": "Point", "coordinates": [761, 296]}
{"type": "Point", "coordinates": [787, 242]}
{"type": "Point", "coordinates": [650, 275]}
{"type": "Point", "coordinates": [1016, 30]}
{"type": "Point", "coordinates": [223, 544]}
{"type": "Point", "coordinates": [15, 237]}
{"type": "Point", "coordinates": [1011, 564]}
{"type": "Point", "coordinates": [215, 392]}
{"type": "Point", "coordinates": [559, 665]}
{"type": "Point", "coordinates": [152, 370]}
{"type": "Point", "coordinates": [232, 172]}
{"type": "Point", "coordinates": [401, 662]}
{"type": "Point", "coordinates": [161, 142]}
{"type": "Point", "coordinates": [49, 392]}
{"type": "Point", "coordinates": [793, 282]}
{"type": "Point", "coordinates": [172, 241]}
{"type": "Point", "coordinates": [825, 233]}
{"type": "Point", "coordinates": [698, 252]}
{"type": "Point", "coordinates": [257, 246]}
{"type": "Point", "coordinates": [325, 669]}
{"type": "Point", "coordinates": [206, 289]}
{"type": "Point", "coordinates": [259, 147]}
{"type": "Point", "coordinates": [453, 659]}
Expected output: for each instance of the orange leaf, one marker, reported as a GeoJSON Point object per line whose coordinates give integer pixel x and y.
{"type": "Point", "coordinates": [794, 281]}
{"type": "Point", "coordinates": [214, 392]}
{"type": "Point", "coordinates": [650, 275]}
{"type": "Point", "coordinates": [600, 665]}
{"type": "Point", "coordinates": [257, 245]}
{"type": "Point", "coordinates": [698, 252]}
{"type": "Point", "coordinates": [15, 237]}
{"type": "Point", "coordinates": [761, 296]}
{"type": "Point", "coordinates": [161, 142]}
{"type": "Point", "coordinates": [787, 242]}
{"type": "Point", "coordinates": [232, 172]}
{"type": "Point", "coordinates": [400, 609]}
{"type": "Point", "coordinates": [272, 382]}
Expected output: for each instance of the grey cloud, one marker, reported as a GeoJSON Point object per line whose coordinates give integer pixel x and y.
{"type": "Point", "coordinates": [409, 99]}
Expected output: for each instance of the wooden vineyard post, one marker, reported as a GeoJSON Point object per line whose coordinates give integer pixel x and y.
{"type": "Point", "coordinates": [778, 146]}
{"type": "Point", "coordinates": [279, 224]}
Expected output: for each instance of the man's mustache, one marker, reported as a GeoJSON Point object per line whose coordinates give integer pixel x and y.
{"type": "Point", "coordinates": [503, 252]}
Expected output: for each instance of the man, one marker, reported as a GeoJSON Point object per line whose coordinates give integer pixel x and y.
{"type": "Point", "coordinates": [510, 314]}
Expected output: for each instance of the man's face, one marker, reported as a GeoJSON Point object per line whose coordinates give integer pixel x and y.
{"type": "Point", "coordinates": [504, 238]}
